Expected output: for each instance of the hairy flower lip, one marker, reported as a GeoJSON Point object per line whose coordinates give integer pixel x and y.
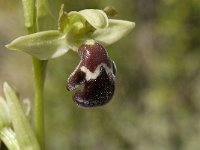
{"type": "Point", "coordinates": [96, 71]}
{"type": "Point", "coordinates": [97, 92]}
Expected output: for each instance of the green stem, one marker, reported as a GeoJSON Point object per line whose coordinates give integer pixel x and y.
{"type": "Point", "coordinates": [39, 69]}
{"type": "Point", "coordinates": [34, 11]}
{"type": "Point", "coordinates": [8, 137]}
{"type": "Point", "coordinates": [39, 75]}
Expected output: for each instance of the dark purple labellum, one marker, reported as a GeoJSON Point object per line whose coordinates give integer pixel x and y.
{"type": "Point", "coordinates": [96, 72]}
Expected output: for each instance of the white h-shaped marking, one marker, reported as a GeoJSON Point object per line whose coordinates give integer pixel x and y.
{"type": "Point", "coordinates": [93, 75]}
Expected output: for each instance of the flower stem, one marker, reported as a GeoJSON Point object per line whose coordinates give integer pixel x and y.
{"type": "Point", "coordinates": [33, 10]}
{"type": "Point", "coordinates": [8, 137]}
{"type": "Point", "coordinates": [39, 69]}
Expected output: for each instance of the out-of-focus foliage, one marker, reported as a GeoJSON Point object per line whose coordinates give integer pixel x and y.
{"type": "Point", "coordinates": [157, 100]}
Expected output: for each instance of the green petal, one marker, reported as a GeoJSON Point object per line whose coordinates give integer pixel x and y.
{"type": "Point", "coordinates": [114, 32]}
{"type": "Point", "coordinates": [42, 45]}
{"type": "Point", "coordinates": [63, 21]}
{"type": "Point", "coordinates": [95, 17]}
{"type": "Point", "coordinates": [24, 133]}
{"type": "Point", "coordinates": [110, 11]}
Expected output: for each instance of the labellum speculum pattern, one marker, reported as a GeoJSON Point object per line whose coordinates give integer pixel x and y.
{"type": "Point", "coordinates": [96, 72]}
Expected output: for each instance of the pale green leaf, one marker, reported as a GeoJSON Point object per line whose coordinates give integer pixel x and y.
{"type": "Point", "coordinates": [8, 136]}
{"type": "Point", "coordinates": [4, 114]}
{"type": "Point", "coordinates": [95, 17]}
{"type": "Point", "coordinates": [114, 32]}
{"type": "Point", "coordinates": [42, 45]}
{"type": "Point", "coordinates": [24, 133]}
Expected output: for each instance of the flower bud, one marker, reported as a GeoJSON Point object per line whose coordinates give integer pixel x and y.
{"type": "Point", "coordinates": [96, 72]}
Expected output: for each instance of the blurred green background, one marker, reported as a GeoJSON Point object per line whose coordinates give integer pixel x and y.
{"type": "Point", "coordinates": [157, 100]}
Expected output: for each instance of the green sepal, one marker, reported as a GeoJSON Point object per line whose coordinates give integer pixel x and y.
{"type": "Point", "coordinates": [114, 32]}
{"type": "Point", "coordinates": [42, 45]}
{"type": "Point", "coordinates": [24, 133]}
{"type": "Point", "coordinates": [95, 18]}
